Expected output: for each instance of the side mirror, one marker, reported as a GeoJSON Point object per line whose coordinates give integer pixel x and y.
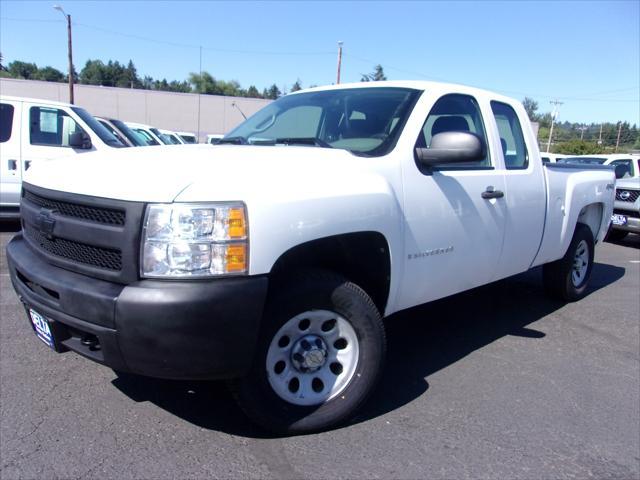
{"type": "Point", "coordinates": [80, 140]}
{"type": "Point", "coordinates": [621, 170]}
{"type": "Point", "coordinates": [452, 147]}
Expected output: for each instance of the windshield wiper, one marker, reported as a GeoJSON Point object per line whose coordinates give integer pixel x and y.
{"type": "Point", "coordinates": [302, 141]}
{"type": "Point", "coordinates": [234, 140]}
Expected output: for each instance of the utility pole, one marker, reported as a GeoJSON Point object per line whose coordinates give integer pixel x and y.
{"type": "Point", "coordinates": [582, 129]}
{"type": "Point", "coordinates": [554, 114]}
{"type": "Point", "coordinates": [618, 140]}
{"type": "Point", "coordinates": [339, 62]}
{"type": "Point", "coordinates": [600, 137]}
{"type": "Point", "coordinates": [199, 94]}
{"type": "Point", "coordinates": [68, 17]}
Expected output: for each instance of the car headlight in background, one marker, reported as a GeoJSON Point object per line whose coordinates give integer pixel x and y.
{"type": "Point", "coordinates": [194, 240]}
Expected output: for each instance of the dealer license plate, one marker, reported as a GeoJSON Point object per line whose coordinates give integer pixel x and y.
{"type": "Point", "coordinates": [42, 328]}
{"type": "Point", "coordinates": [618, 219]}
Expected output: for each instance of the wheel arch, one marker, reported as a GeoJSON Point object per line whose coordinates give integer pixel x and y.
{"type": "Point", "coordinates": [362, 257]}
{"type": "Point", "coordinates": [591, 216]}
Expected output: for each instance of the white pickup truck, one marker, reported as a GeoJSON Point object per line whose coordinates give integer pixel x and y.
{"type": "Point", "coordinates": [271, 259]}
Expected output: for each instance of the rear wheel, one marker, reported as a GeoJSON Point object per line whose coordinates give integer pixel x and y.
{"type": "Point", "coordinates": [567, 279]}
{"type": "Point", "coordinates": [318, 358]}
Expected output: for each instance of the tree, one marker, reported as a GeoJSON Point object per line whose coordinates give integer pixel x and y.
{"type": "Point", "coordinates": [18, 69]}
{"type": "Point", "coordinates": [49, 74]}
{"type": "Point", "coordinates": [253, 92]}
{"type": "Point", "coordinates": [296, 86]}
{"type": "Point", "coordinates": [203, 82]}
{"type": "Point", "coordinates": [578, 147]}
{"type": "Point", "coordinates": [530, 106]}
{"type": "Point", "coordinates": [2, 67]}
{"type": "Point", "coordinates": [273, 92]}
{"type": "Point", "coordinates": [376, 76]}
{"type": "Point", "coordinates": [93, 73]}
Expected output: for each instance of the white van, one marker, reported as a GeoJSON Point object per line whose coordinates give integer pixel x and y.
{"type": "Point", "coordinates": [32, 130]}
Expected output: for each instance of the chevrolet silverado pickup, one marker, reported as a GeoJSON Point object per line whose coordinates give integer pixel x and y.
{"type": "Point", "coordinates": [271, 258]}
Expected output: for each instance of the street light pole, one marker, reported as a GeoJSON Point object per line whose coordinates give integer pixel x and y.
{"type": "Point", "coordinates": [68, 17]}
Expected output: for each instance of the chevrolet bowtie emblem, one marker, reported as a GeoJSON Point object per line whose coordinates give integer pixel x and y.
{"type": "Point", "coordinates": [46, 222]}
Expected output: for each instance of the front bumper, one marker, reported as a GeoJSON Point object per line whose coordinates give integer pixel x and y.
{"type": "Point", "coordinates": [166, 329]}
{"type": "Point", "coordinates": [633, 222]}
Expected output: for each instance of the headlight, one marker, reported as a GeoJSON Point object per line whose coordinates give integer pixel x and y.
{"type": "Point", "coordinates": [189, 240]}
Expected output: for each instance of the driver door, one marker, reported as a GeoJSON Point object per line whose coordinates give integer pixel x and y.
{"type": "Point", "coordinates": [453, 236]}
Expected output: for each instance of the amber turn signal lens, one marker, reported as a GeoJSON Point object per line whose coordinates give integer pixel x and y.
{"type": "Point", "coordinates": [237, 224]}
{"type": "Point", "coordinates": [236, 258]}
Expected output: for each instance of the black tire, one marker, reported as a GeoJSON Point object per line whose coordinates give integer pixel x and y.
{"type": "Point", "coordinates": [616, 235]}
{"type": "Point", "coordinates": [558, 276]}
{"type": "Point", "coordinates": [313, 291]}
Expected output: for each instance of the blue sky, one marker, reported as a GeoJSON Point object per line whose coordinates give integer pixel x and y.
{"type": "Point", "coordinates": [584, 53]}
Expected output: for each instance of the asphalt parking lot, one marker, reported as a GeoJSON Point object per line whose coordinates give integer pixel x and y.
{"type": "Point", "coordinates": [499, 382]}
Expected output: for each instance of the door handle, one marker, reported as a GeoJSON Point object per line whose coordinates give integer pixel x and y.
{"type": "Point", "coordinates": [27, 164]}
{"type": "Point", "coordinates": [491, 192]}
{"type": "Point", "coordinates": [12, 164]}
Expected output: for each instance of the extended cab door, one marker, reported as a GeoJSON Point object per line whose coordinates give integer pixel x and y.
{"type": "Point", "coordinates": [453, 234]}
{"type": "Point", "coordinates": [10, 155]}
{"type": "Point", "coordinates": [525, 193]}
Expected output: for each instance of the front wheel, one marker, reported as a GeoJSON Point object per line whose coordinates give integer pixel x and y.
{"type": "Point", "coordinates": [567, 279]}
{"type": "Point", "coordinates": [319, 356]}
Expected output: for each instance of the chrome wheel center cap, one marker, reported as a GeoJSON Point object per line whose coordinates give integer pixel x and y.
{"type": "Point", "coordinates": [309, 354]}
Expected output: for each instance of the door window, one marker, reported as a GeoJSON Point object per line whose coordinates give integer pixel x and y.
{"type": "Point", "coordinates": [6, 121]}
{"type": "Point", "coordinates": [511, 137]}
{"type": "Point", "coordinates": [627, 163]}
{"type": "Point", "coordinates": [455, 113]}
{"type": "Point", "coordinates": [51, 126]}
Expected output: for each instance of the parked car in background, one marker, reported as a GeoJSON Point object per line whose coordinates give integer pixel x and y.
{"type": "Point", "coordinates": [632, 162]}
{"type": "Point", "coordinates": [122, 132]}
{"type": "Point", "coordinates": [214, 138]}
{"type": "Point", "coordinates": [583, 160]}
{"type": "Point", "coordinates": [629, 160]}
{"type": "Point", "coordinates": [188, 137]}
{"type": "Point", "coordinates": [171, 138]}
{"type": "Point", "coordinates": [626, 209]}
{"type": "Point", "coordinates": [551, 157]}
{"type": "Point", "coordinates": [150, 134]}
{"type": "Point", "coordinates": [32, 130]}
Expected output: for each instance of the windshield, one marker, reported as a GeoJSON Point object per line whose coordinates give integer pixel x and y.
{"type": "Point", "coordinates": [364, 121]}
{"type": "Point", "coordinates": [105, 135]}
{"type": "Point", "coordinates": [134, 137]}
{"type": "Point", "coordinates": [146, 135]}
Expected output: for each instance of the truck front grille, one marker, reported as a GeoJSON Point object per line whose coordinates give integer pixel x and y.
{"type": "Point", "coordinates": [94, 236]}
{"type": "Point", "coordinates": [78, 252]}
{"type": "Point", "coordinates": [93, 214]}
{"type": "Point", "coordinates": [624, 195]}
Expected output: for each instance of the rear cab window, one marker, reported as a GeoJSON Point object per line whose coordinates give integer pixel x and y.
{"type": "Point", "coordinates": [512, 141]}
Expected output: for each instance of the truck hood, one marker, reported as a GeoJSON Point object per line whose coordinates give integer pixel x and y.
{"type": "Point", "coordinates": [191, 172]}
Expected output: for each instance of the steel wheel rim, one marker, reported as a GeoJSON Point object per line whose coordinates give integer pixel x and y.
{"type": "Point", "coordinates": [580, 263]}
{"type": "Point", "coordinates": [314, 375]}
